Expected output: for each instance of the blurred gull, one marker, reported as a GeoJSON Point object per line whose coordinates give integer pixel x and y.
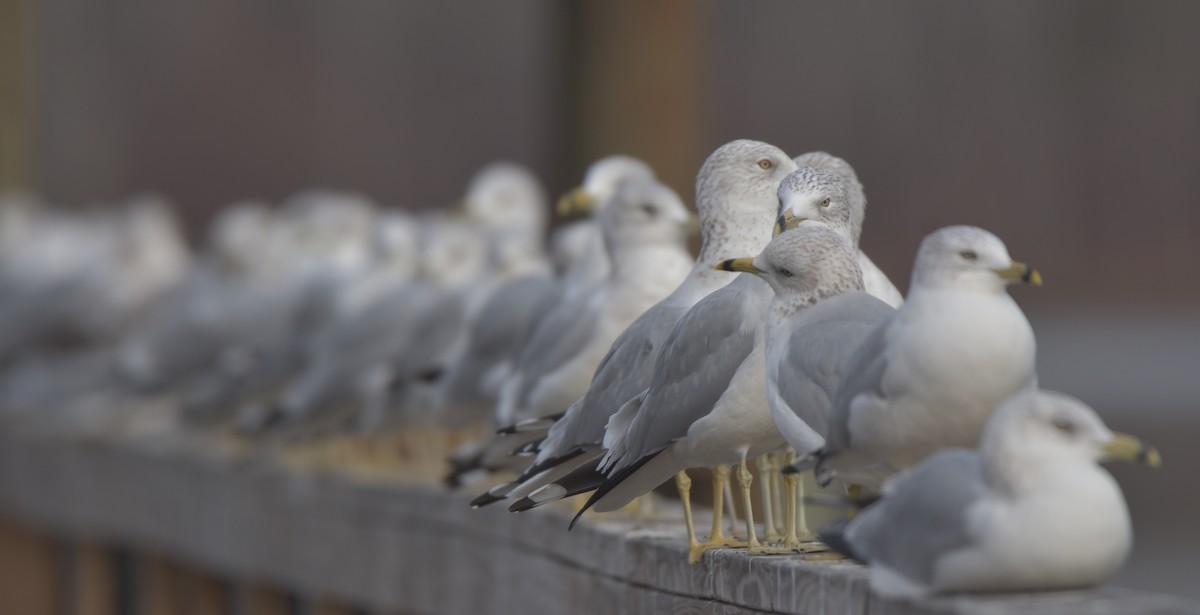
{"type": "Point", "coordinates": [735, 199]}
{"type": "Point", "coordinates": [1029, 511]}
{"type": "Point", "coordinates": [348, 364]}
{"type": "Point", "coordinates": [644, 233]}
{"type": "Point", "coordinates": [929, 376]}
{"type": "Point", "coordinates": [85, 277]}
{"type": "Point", "coordinates": [580, 257]}
{"type": "Point", "coordinates": [522, 290]}
{"type": "Point", "coordinates": [507, 203]}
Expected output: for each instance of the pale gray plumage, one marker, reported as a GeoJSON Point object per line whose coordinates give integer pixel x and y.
{"type": "Point", "coordinates": [875, 281]}
{"type": "Point", "coordinates": [706, 405]}
{"type": "Point", "coordinates": [1030, 510]}
{"type": "Point", "coordinates": [930, 375]}
{"type": "Point", "coordinates": [806, 362]}
{"type": "Point", "coordinates": [704, 351]}
{"type": "Point", "coordinates": [643, 234]}
{"type": "Point", "coordinates": [735, 197]}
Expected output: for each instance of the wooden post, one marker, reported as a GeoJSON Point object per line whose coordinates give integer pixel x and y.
{"type": "Point", "coordinates": [14, 103]}
{"type": "Point", "coordinates": [636, 86]}
{"type": "Point", "coordinates": [30, 572]}
{"type": "Point", "coordinates": [92, 580]}
{"type": "Point", "coordinates": [255, 599]}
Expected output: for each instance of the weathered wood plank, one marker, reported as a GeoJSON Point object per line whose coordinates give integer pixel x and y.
{"type": "Point", "coordinates": [413, 548]}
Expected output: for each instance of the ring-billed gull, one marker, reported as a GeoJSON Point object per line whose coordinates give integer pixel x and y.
{"type": "Point", "coordinates": [600, 182]}
{"type": "Point", "coordinates": [736, 202]}
{"type": "Point", "coordinates": [929, 376]}
{"type": "Point", "coordinates": [508, 203]}
{"type": "Point", "coordinates": [1030, 510]}
{"type": "Point", "coordinates": [875, 281]}
{"type": "Point", "coordinates": [707, 406]}
{"type": "Point", "coordinates": [807, 346]}
{"type": "Point", "coordinates": [710, 374]}
{"type": "Point", "coordinates": [471, 385]}
{"type": "Point", "coordinates": [644, 230]}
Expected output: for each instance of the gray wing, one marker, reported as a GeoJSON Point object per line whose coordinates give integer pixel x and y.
{"type": "Point", "coordinates": [876, 282]}
{"type": "Point", "coordinates": [922, 516]}
{"type": "Point", "coordinates": [820, 343]}
{"type": "Point", "coordinates": [497, 331]}
{"type": "Point", "coordinates": [863, 374]}
{"type": "Point", "coordinates": [625, 372]}
{"type": "Point", "coordinates": [565, 331]}
{"type": "Point", "coordinates": [701, 356]}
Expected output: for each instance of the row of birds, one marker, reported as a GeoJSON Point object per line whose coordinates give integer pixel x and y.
{"type": "Point", "coordinates": [610, 360]}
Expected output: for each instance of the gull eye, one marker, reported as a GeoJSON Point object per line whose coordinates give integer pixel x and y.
{"type": "Point", "coordinates": [825, 202]}
{"type": "Point", "coordinates": [1064, 426]}
{"type": "Point", "coordinates": [765, 164]}
{"type": "Point", "coordinates": [787, 273]}
{"type": "Point", "coordinates": [649, 209]}
{"type": "Point", "coordinates": [968, 255]}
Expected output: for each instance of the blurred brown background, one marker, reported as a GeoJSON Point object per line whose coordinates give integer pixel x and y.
{"type": "Point", "coordinates": [1071, 129]}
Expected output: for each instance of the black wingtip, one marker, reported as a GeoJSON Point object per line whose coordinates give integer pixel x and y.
{"type": "Point", "coordinates": [575, 519]}
{"type": "Point", "coordinates": [490, 497]}
{"type": "Point", "coordinates": [522, 505]}
{"type": "Point", "coordinates": [459, 468]}
{"type": "Point", "coordinates": [808, 462]}
{"type": "Point", "coordinates": [610, 483]}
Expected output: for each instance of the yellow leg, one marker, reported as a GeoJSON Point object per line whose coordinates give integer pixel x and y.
{"type": "Point", "coordinates": [716, 537]}
{"type": "Point", "coordinates": [729, 505]}
{"type": "Point", "coordinates": [763, 465]}
{"type": "Point", "coordinates": [796, 529]}
{"type": "Point", "coordinates": [802, 531]}
{"type": "Point", "coordinates": [684, 483]}
{"type": "Point", "coordinates": [720, 482]}
{"type": "Point", "coordinates": [745, 480]}
{"type": "Point", "coordinates": [853, 492]}
{"type": "Point", "coordinates": [792, 486]}
{"type": "Point", "coordinates": [776, 477]}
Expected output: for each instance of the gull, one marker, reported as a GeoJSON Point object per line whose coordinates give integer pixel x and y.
{"type": "Point", "coordinates": [707, 406]}
{"type": "Point", "coordinates": [471, 385]}
{"type": "Point", "coordinates": [645, 227]}
{"type": "Point", "coordinates": [344, 361]}
{"type": "Point", "coordinates": [644, 234]}
{"type": "Point", "coordinates": [875, 281]}
{"type": "Point", "coordinates": [736, 202]}
{"type": "Point", "coordinates": [1030, 510]}
{"type": "Point", "coordinates": [508, 203]}
{"type": "Point", "coordinates": [711, 372]}
{"type": "Point", "coordinates": [600, 182]}
{"type": "Point", "coordinates": [929, 376]}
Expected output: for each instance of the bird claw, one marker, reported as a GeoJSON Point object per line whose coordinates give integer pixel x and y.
{"type": "Point", "coordinates": [696, 552]}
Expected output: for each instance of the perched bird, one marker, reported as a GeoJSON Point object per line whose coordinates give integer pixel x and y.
{"type": "Point", "coordinates": [736, 203]}
{"type": "Point", "coordinates": [73, 280]}
{"type": "Point", "coordinates": [1029, 510]}
{"type": "Point", "coordinates": [600, 182]}
{"type": "Point", "coordinates": [351, 360]}
{"type": "Point", "coordinates": [708, 408]}
{"type": "Point", "coordinates": [875, 281]}
{"type": "Point", "coordinates": [507, 202]}
{"type": "Point", "coordinates": [472, 383]}
{"type": "Point", "coordinates": [817, 319]}
{"type": "Point", "coordinates": [644, 231]}
{"type": "Point", "coordinates": [928, 377]}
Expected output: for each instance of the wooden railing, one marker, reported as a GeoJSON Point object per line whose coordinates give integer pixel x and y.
{"type": "Point", "coordinates": [182, 532]}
